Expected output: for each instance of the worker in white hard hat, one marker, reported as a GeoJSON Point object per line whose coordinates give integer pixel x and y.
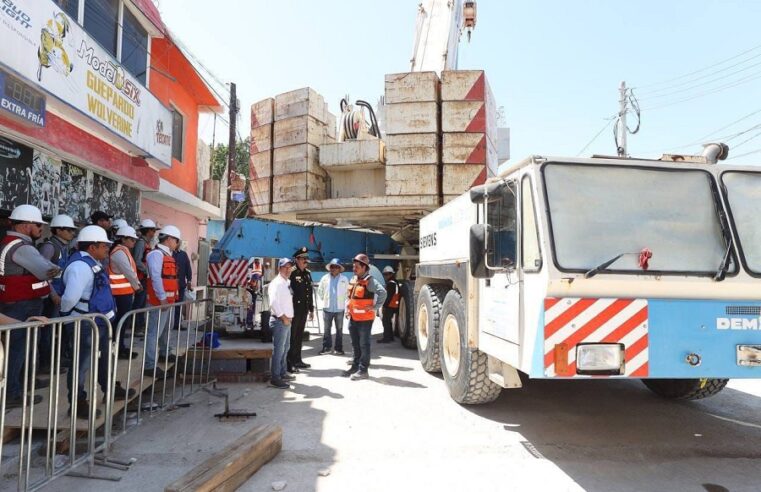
{"type": "Point", "coordinates": [390, 306]}
{"type": "Point", "coordinates": [116, 224]}
{"type": "Point", "coordinates": [122, 274]}
{"type": "Point", "coordinates": [87, 291]}
{"type": "Point", "coordinates": [24, 283]}
{"type": "Point", "coordinates": [147, 231]}
{"type": "Point", "coordinates": [56, 249]}
{"type": "Point", "coordinates": [162, 291]}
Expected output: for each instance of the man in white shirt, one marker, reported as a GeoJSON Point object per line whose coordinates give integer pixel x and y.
{"type": "Point", "coordinates": [281, 315]}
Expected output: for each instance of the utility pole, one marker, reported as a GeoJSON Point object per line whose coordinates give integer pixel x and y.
{"type": "Point", "coordinates": [621, 128]}
{"type": "Point", "coordinates": [231, 167]}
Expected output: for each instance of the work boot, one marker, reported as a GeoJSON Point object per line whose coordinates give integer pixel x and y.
{"type": "Point", "coordinates": [293, 370]}
{"type": "Point", "coordinates": [360, 375]}
{"type": "Point", "coordinates": [121, 394]}
{"type": "Point", "coordinates": [350, 371]}
{"type": "Point", "coordinates": [325, 351]}
{"type": "Point", "coordinates": [288, 377]}
{"type": "Point", "coordinates": [302, 365]}
{"type": "Point", "coordinates": [339, 352]}
{"type": "Point", "coordinates": [18, 402]}
{"type": "Point", "coordinates": [277, 383]}
{"type": "Point", "coordinates": [126, 354]}
{"type": "Point", "coordinates": [159, 372]}
{"type": "Point", "coordinates": [83, 410]}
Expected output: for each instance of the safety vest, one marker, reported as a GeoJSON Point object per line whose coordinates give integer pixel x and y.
{"type": "Point", "coordinates": [168, 279]}
{"type": "Point", "coordinates": [61, 253]}
{"type": "Point", "coordinates": [256, 269]}
{"type": "Point", "coordinates": [17, 283]}
{"type": "Point", "coordinates": [120, 285]}
{"type": "Point", "coordinates": [393, 302]}
{"type": "Point", "coordinates": [361, 300]}
{"type": "Point", "coordinates": [100, 300]}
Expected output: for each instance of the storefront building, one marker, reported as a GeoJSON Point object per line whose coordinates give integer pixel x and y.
{"type": "Point", "coordinates": [99, 111]}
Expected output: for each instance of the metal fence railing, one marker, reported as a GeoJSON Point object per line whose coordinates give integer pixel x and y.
{"type": "Point", "coordinates": [47, 433]}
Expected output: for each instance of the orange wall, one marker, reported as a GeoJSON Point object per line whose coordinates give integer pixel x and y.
{"type": "Point", "coordinates": [173, 93]}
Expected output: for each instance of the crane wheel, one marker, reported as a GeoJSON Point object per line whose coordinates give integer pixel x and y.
{"type": "Point", "coordinates": [685, 389]}
{"type": "Point", "coordinates": [429, 301]}
{"type": "Point", "coordinates": [465, 370]}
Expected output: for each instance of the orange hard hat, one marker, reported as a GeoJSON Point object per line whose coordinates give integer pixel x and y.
{"type": "Point", "coordinates": [362, 258]}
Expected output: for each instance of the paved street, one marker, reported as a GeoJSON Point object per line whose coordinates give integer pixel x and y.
{"type": "Point", "coordinates": [401, 431]}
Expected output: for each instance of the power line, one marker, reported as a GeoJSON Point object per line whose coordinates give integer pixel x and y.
{"type": "Point", "coordinates": [707, 93]}
{"type": "Point", "coordinates": [706, 83]}
{"type": "Point", "coordinates": [702, 69]}
{"type": "Point", "coordinates": [755, 151]}
{"type": "Point", "coordinates": [607, 124]}
{"type": "Point", "coordinates": [755, 136]}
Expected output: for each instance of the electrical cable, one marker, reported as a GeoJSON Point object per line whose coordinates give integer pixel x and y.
{"type": "Point", "coordinates": [703, 94]}
{"type": "Point", "coordinates": [697, 86]}
{"type": "Point", "coordinates": [607, 124]}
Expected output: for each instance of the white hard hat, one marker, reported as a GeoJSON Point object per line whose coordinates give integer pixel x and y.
{"type": "Point", "coordinates": [388, 269]}
{"type": "Point", "coordinates": [27, 213]}
{"type": "Point", "coordinates": [93, 234]}
{"type": "Point", "coordinates": [147, 224]}
{"type": "Point", "coordinates": [62, 221]}
{"type": "Point", "coordinates": [118, 224]}
{"type": "Point", "coordinates": [126, 231]}
{"type": "Point", "coordinates": [170, 230]}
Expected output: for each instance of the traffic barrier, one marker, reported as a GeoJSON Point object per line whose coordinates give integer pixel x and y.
{"type": "Point", "coordinates": [29, 421]}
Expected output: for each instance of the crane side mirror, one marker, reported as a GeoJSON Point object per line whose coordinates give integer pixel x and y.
{"type": "Point", "coordinates": [492, 191]}
{"type": "Point", "coordinates": [479, 249]}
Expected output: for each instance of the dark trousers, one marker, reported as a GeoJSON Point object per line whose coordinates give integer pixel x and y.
{"type": "Point", "coordinates": [85, 359]}
{"type": "Point", "coordinates": [360, 343]}
{"type": "Point", "coordinates": [297, 335]}
{"type": "Point", "coordinates": [176, 320]}
{"type": "Point", "coordinates": [388, 323]}
{"type": "Point", "coordinates": [139, 302]}
{"type": "Point", "coordinates": [16, 351]}
{"type": "Point", "coordinates": [45, 333]}
{"type": "Point", "coordinates": [123, 305]}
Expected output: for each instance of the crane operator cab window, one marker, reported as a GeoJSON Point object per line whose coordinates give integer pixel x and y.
{"type": "Point", "coordinates": [501, 216]}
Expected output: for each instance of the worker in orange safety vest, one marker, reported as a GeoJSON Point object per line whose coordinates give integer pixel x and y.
{"type": "Point", "coordinates": [391, 306]}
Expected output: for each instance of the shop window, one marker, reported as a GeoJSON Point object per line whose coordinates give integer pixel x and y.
{"type": "Point", "coordinates": [178, 136]}
{"type": "Point", "coordinates": [71, 7]}
{"type": "Point", "coordinates": [102, 22]}
{"type": "Point", "coordinates": [134, 46]}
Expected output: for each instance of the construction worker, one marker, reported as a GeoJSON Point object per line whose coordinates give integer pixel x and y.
{"type": "Point", "coordinates": [86, 290]}
{"type": "Point", "coordinates": [139, 251]}
{"type": "Point", "coordinates": [116, 224]}
{"type": "Point", "coordinates": [184, 280]}
{"type": "Point", "coordinates": [162, 291]}
{"type": "Point", "coordinates": [252, 286]}
{"type": "Point", "coordinates": [391, 306]}
{"type": "Point", "coordinates": [282, 313]}
{"type": "Point", "coordinates": [303, 308]}
{"type": "Point", "coordinates": [122, 274]}
{"type": "Point", "coordinates": [332, 291]}
{"type": "Point", "coordinates": [24, 283]}
{"type": "Point", "coordinates": [102, 219]}
{"type": "Point", "coordinates": [366, 296]}
{"type": "Point", "coordinates": [55, 249]}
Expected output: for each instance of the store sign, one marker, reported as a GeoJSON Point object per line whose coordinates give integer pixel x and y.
{"type": "Point", "coordinates": [21, 100]}
{"type": "Point", "coordinates": [45, 46]}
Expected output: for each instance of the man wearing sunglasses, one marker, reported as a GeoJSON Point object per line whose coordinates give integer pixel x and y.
{"type": "Point", "coordinates": [24, 283]}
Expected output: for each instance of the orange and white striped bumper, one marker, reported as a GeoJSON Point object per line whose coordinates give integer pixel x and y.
{"type": "Point", "coordinates": [571, 320]}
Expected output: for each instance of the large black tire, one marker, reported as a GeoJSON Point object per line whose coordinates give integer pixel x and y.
{"type": "Point", "coordinates": [429, 301]}
{"type": "Point", "coordinates": [466, 371]}
{"type": "Point", "coordinates": [685, 389]}
{"type": "Point", "coordinates": [405, 319]}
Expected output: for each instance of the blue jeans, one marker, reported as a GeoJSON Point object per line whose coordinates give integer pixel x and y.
{"type": "Point", "coordinates": [21, 310]}
{"type": "Point", "coordinates": [329, 318]}
{"type": "Point", "coordinates": [360, 343]}
{"type": "Point", "coordinates": [281, 341]}
{"type": "Point", "coordinates": [85, 358]}
{"type": "Point", "coordinates": [156, 334]}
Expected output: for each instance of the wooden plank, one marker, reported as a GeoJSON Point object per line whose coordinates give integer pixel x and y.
{"type": "Point", "coordinates": [353, 154]}
{"type": "Point", "coordinates": [465, 85]}
{"type": "Point", "coordinates": [411, 180]}
{"type": "Point", "coordinates": [259, 192]}
{"type": "Point", "coordinates": [10, 433]}
{"type": "Point", "coordinates": [227, 469]}
{"type": "Point", "coordinates": [262, 112]}
{"type": "Point", "coordinates": [298, 130]}
{"type": "Point", "coordinates": [458, 178]}
{"type": "Point", "coordinates": [357, 183]}
{"type": "Point", "coordinates": [414, 148]}
{"type": "Point", "coordinates": [260, 165]}
{"type": "Point", "coordinates": [298, 186]}
{"type": "Point", "coordinates": [300, 102]}
{"type": "Point", "coordinates": [413, 117]}
{"type": "Point", "coordinates": [236, 353]}
{"type": "Point", "coordinates": [469, 117]}
{"type": "Point", "coordinates": [469, 148]}
{"type": "Point", "coordinates": [261, 138]}
{"type": "Point", "coordinates": [297, 159]}
{"type": "Point", "coordinates": [411, 87]}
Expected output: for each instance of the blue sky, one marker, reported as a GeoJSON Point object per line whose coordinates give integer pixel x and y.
{"type": "Point", "coordinates": [554, 65]}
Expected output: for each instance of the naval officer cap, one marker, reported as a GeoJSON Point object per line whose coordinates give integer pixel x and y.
{"type": "Point", "coordinates": [301, 253]}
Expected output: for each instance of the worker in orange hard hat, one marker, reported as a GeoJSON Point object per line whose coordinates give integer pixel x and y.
{"type": "Point", "coordinates": [366, 296]}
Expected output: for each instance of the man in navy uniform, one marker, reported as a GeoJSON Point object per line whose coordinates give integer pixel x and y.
{"type": "Point", "coordinates": [303, 308]}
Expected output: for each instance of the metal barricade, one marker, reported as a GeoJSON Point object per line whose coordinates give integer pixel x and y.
{"type": "Point", "coordinates": [33, 419]}
{"type": "Point", "coordinates": [191, 362]}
